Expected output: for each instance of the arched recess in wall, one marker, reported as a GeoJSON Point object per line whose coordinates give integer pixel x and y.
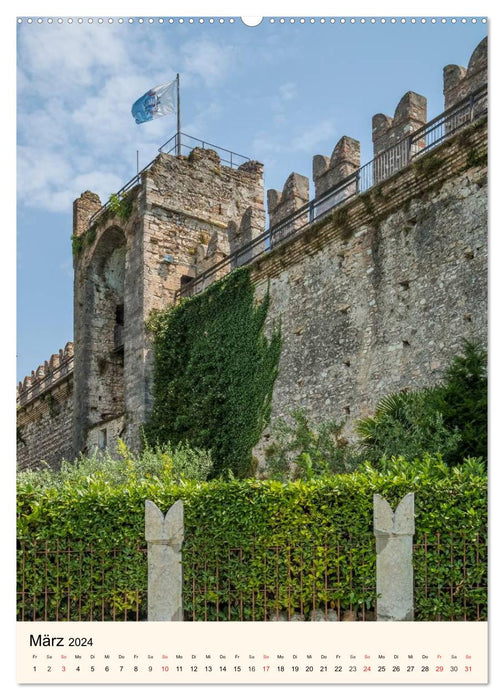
{"type": "Point", "coordinates": [106, 273]}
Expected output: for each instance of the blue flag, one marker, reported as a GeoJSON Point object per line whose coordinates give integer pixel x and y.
{"type": "Point", "coordinates": [156, 103]}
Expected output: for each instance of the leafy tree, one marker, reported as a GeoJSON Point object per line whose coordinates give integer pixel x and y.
{"type": "Point", "coordinates": [449, 419]}
{"type": "Point", "coordinates": [464, 401]}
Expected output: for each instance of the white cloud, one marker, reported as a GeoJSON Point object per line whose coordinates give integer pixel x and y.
{"type": "Point", "coordinates": [281, 103]}
{"type": "Point", "coordinates": [66, 268]}
{"type": "Point", "coordinates": [43, 126]}
{"type": "Point", "coordinates": [269, 142]}
{"type": "Point", "coordinates": [104, 183]}
{"type": "Point", "coordinates": [207, 60]}
{"type": "Point", "coordinates": [76, 85]}
{"type": "Point", "coordinates": [38, 168]}
{"type": "Point", "coordinates": [61, 59]}
{"type": "Point", "coordinates": [288, 91]}
{"type": "Point", "coordinates": [305, 141]}
{"type": "Point", "coordinates": [199, 123]}
{"type": "Point", "coordinates": [310, 137]}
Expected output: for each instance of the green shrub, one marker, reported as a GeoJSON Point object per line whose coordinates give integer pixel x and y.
{"type": "Point", "coordinates": [121, 205]}
{"type": "Point", "coordinates": [303, 449]}
{"type": "Point", "coordinates": [449, 419]}
{"type": "Point", "coordinates": [406, 424]}
{"type": "Point", "coordinates": [253, 548]}
{"type": "Point", "coordinates": [214, 371]}
{"type": "Point", "coordinates": [465, 402]}
{"type": "Point", "coordinates": [170, 464]}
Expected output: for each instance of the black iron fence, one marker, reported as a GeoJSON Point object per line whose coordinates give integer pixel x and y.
{"type": "Point", "coordinates": [451, 577]}
{"type": "Point", "coordinates": [332, 579]}
{"type": "Point", "coordinates": [68, 580]}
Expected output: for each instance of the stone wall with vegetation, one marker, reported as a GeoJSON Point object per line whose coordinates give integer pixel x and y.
{"type": "Point", "coordinates": [131, 258]}
{"type": "Point", "coordinates": [378, 296]}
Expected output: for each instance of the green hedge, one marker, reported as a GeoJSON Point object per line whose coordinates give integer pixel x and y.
{"type": "Point", "coordinates": [254, 548]}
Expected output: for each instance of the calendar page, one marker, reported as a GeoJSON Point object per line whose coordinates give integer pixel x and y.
{"type": "Point", "coordinates": [252, 350]}
{"type": "Point", "coordinates": [162, 652]}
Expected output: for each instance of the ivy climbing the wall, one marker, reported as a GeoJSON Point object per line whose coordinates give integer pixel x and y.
{"type": "Point", "coordinates": [214, 370]}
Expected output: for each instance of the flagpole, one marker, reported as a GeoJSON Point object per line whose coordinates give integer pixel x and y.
{"type": "Point", "coordinates": [178, 114]}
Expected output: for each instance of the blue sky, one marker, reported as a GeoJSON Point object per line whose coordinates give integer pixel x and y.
{"type": "Point", "coordinates": [279, 93]}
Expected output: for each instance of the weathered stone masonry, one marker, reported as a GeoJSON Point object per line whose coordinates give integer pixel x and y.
{"type": "Point", "coordinates": [378, 296]}
{"type": "Point", "coordinates": [185, 214]}
{"type": "Point", "coordinates": [45, 412]}
{"type": "Point", "coordinates": [375, 296]}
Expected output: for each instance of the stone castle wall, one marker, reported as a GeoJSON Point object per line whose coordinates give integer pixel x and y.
{"type": "Point", "coordinates": [378, 296]}
{"type": "Point", "coordinates": [45, 413]}
{"type": "Point", "coordinates": [374, 296]}
{"type": "Point", "coordinates": [185, 214]}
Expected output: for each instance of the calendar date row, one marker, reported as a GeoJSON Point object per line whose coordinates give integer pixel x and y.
{"type": "Point", "coordinates": [195, 668]}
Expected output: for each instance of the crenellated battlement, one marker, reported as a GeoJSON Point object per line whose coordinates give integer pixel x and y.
{"type": "Point", "coordinates": [392, 146]}
{"type": "Point", "coordinates": [459, 82]}
{"type": "Point", "coordinates": [46, 376]}
{"type": "Point", "coordinates": [410, 115]}
{"type": "Point", "coordinates": [295, 193]}
{"type": "Point", "coordinates": [345, 160]}
{"type": "Point", "coordinates": [350, 272]}
{"type": "Point", "coordinates": [281, 205]}
{"type": "Point", "coordinates": [83, 209]}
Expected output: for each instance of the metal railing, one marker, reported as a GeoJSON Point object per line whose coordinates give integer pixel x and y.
{"type": "Point", "coordinates": [119, 194]}
{"type": "Point", "coordinates": [181, 143]}
{"type": "Point", "coordinates": [383, 166]}
{"type": "Point", "coordinates": [454, 587]}
{"type": "Point", "coordinates": [177, 144]}
{"type": "Point", "coordinates": [68, 580]}
{"type": "Point", "coordinates": [332, 578]}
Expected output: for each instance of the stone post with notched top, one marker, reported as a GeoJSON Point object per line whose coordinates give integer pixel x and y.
{"type": "Point", "coordinates": [164, 535]}
{"type": "Point", "coordinates": [394, 558]}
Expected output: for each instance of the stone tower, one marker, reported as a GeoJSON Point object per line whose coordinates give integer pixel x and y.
{"type": "Point", "coordinates": [131, 256]}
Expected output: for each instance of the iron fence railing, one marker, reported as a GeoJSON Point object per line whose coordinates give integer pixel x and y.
{"type": "Point", "coordinates": [333, 578]}
{"type": "Point", "coordinates": [385, 164]}
{"type": "Point", "coordinates": [451, 577]}
{"type": "Point", "coordinates": [181, 143]}
{"type": "Point", "coordinates": [76, 581]}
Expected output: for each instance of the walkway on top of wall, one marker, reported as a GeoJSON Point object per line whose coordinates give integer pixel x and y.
{"type": "Point", "coordinates": [381, 168]}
